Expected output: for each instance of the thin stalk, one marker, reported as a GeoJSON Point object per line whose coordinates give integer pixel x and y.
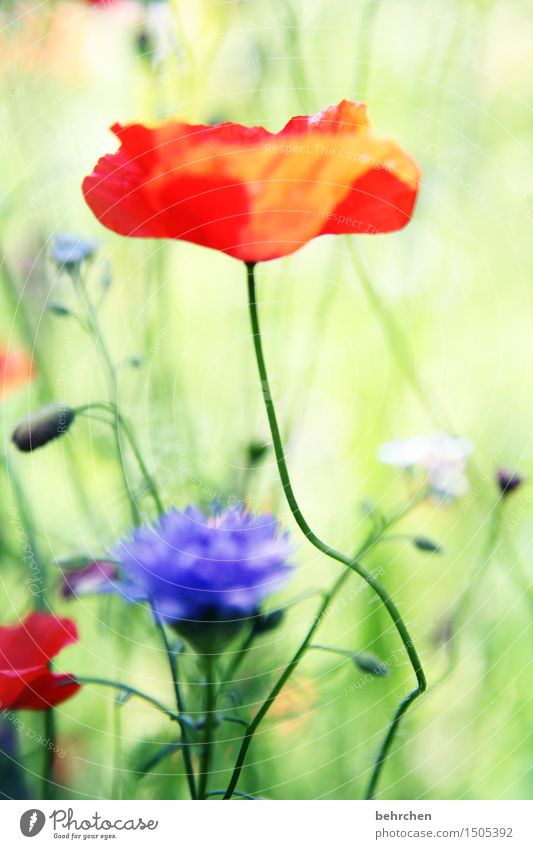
{"type": "Point", "coordinates": [49, 753]}
{"type": "Point", "coordinates": [364, 47]}
{"type": "Point", "coordinates": [238, 657]}
{"type": "Point", "coordinates": [208, 742]}
{"type": "Point", "coordinates": [112, 385]}
{"type": "Point", "coordinates": [396, 339]}
{"type": "Point", "coordinates": [129, 433]}
{"type": "Point", "coordinates": [26, 330]}
{"type": "Point", "coordinates": [352, 564]}
{"type": "Point", "coordinates": [465, 597]}
{"type": "Point", "coordinates": [180, 704]}
{"type": "Point", "coordinates": [132, 691]}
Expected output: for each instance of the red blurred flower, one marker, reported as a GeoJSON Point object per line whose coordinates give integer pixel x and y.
{"type": "Point", "coordinates": [16, 368]}
{"type": "Point", "coordinates": [252, 194]}
{"type": "Point", "coordinates": [26, 649]}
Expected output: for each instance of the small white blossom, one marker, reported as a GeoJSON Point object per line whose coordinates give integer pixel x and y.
{"type": "Point", "coordinates": [443, 458]}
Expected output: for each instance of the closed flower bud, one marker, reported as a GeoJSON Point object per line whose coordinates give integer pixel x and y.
{"type": "Point", "coordinates": [43, 426]}
{"type": "Point", "coordinates": [508, 481]}
{"type": "Point", "coordinates": [426, 544]}
{"type": "Point", "coordinates": [371, 664]}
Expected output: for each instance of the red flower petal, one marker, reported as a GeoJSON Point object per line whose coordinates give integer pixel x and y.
{"type": "Point", "coordinates": [25, 652]}
{"type": "Point", "coordinates": [16, 368]}
{"type": "Point", "coordinates": [45, 691]}
{"type": "Point", "coordinates": [252, 194]}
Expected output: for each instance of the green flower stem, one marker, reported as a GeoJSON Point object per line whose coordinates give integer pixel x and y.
{"type": "Point", "coordinates": [239, 795]}
{"type": "Point", "coordinates": [364, 46]}
{"type": "Point", "coordinates": [93, 327]}
{"type": "Point", "coordinates": [27, 332]}
{"type": "Point", "coordinates": [352, 564]}
{"type": "Point", "coordinates": [332, 650]}
{"type": "Point", "coordinates": [462, 604]}
{"type": "Point", "coordinates": [180, 704]}
{"type": "Point", "coordinates": [208, 742]}
{"type": "Point", "coordinates": [129, 433]}
{"type": "Point", "coordinates": [131, 691]}
{"type": "Point", "coordinates": [238, 657]}
{"type": "Point", "coordinates": [395, 338]}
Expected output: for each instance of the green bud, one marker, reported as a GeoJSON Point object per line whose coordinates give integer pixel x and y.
{"type": "Point", "coordinates": [425, 544]}
{"type": "Point", "coordinates": [368, 662]}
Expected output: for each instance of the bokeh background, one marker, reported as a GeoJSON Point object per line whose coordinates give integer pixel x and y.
{"type": "Point", "coordinates": [368, 338]}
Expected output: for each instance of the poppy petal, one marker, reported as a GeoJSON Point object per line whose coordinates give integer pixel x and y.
{"type": "Point", "coordinates": [252, 194]}
{"type": "Point", "coordinates": [46, 691]}
{"type": "Point", "coordinates": [25, 652]}
{"type": "Point", "coordinates": [16, 368]}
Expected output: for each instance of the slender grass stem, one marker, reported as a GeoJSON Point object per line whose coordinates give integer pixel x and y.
{"type": "Point", "coordinates": [180, 704]}
{"type": "Point", "coordinates": [110, 372]}
{"type": "Point", "coordinates": [129, 433]}
{"type": "Point", "coordinates": [352, 564]}
{"type": "Point", "coordinates": [132, 691]}
{"type": "Point", "coordinates": [208, 743]}
{"type": "Point", "coordinates": [493, 537]}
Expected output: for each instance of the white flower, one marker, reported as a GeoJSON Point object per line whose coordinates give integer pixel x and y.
{"type": "Point", "coordinates": [442, 457]}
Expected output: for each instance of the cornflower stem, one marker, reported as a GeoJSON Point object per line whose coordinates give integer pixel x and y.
{"type": "Point", "coordinates": [49, 753]}
{"type": "Point", "coordinates": [238, 657]}
{"type": "Point", "coordinates": [131, 691]}
{"type": "Point", "coordinates": [180, 704]}
{"type": "Point", "coordinates": [209, 726]}
{"type": "Point", "coordinates": [93, 327]}
{"type": "Point", "coordinates": [463, 602]}
{"type": "Point", "coordinates": [353, 564]}
{"type": "Point", "coordinates": [129, 433]}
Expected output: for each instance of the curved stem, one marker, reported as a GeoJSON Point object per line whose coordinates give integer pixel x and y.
{"type": "Point", "coordinates": [112, 383]}
{"type": "Point", "coordinates": [132, 691]}
{"type": "Point", "coordinates": [111, 408]}
{"type": "Point", "coordinates": [352, 564]}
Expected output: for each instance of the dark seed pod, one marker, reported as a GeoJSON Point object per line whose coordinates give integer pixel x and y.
{"type": "Point", "coordinates": [43, 426]}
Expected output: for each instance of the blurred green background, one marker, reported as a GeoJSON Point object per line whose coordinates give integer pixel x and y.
{"type": "Point", "coordinates": [435, 334]}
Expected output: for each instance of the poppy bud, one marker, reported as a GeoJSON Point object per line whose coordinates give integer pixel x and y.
{"type": "Point", "coordinates": [508, 481]}
{"type": "Point", "coordinates": [42, 426]}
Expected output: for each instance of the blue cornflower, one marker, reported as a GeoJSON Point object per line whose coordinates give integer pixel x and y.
{"type": "Point", "coordinates": [205, 575]}
{"type": "Point", "coordinates": [69, 250]}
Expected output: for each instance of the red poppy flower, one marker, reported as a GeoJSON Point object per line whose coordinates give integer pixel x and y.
{"type": "Point", "coordinates": [26, 682]}
{"type": "Point", "coordinates": [252, 194]}
{"type": "Point", "coordinates": [16, 368]}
